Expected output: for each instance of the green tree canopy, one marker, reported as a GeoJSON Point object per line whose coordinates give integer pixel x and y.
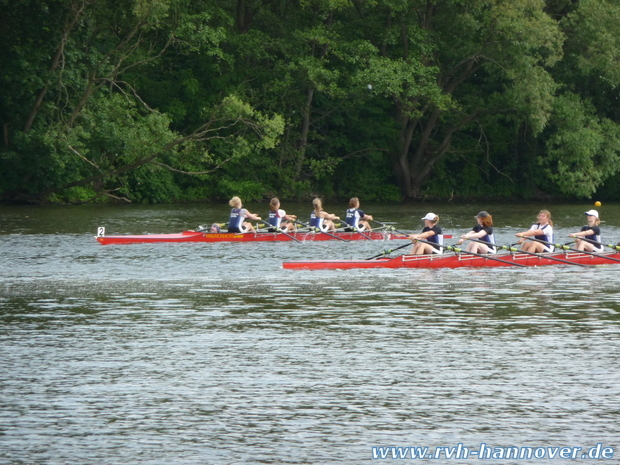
{"type": "Point", "coordinates": [164, 100]}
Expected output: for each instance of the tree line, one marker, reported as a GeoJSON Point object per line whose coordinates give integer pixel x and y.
{"type": "Point", "coordinates": [185, 100]}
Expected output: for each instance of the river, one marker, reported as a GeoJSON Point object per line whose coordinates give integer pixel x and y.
{"type": "Point", "coordinates": [214, 354]}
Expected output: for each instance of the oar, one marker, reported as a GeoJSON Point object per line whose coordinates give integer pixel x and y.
{"type": "Point", "coordinates": [312, 228]}
{"type": "Point", "coordinates": [387, 252]}
{"type": "Point", "coordinates": [452, 248]}
{"type": "Point", "coordinates": [279, 230]}
{"type": "Point", "coordinates": [512, 249]}
{"type": "Point", "coordinates": [611, 246]}
{"type": "Point", "coordinates": [565, 247]}
{"type": "Point", "coordinates": [384, 225]}
{"type": "Point", "coordinates": [392, 228]}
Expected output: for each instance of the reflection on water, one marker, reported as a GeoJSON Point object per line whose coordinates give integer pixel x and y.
{"type": "Point", "coordinates": [197, 354]}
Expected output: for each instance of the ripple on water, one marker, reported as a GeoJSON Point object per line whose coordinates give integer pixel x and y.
{"type": "Point", "coordinates": [136, 357]}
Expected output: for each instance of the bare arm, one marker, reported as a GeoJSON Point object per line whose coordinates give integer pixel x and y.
{"type": "Point", "coordinates": [531, 232]}
{"type": "Point", "coordinates": [329, 216]}
{"type": "Point", "coordinates": [589, 232]}
{"type": "Point", "coordinates": [471, 235]}
{"type": "Point", "coordinates": [424, 235]}
{"type": "Point", "coordinates": [252, 216]}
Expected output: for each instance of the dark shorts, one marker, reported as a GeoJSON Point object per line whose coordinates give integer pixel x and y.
{"type": "Point", "coordinates": [234, 230]}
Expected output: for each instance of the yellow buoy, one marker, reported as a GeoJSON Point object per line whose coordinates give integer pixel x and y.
{"type": "Point", "coordinates": [597, 204]}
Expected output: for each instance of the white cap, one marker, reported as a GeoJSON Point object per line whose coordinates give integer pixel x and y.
{"type": "Point", "coordinates": [592, 213]}
{"type": "Point", "coordinates": [430, 216]}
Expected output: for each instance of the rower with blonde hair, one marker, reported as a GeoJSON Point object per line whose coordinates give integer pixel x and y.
{"type": "Point", "coordinates": [238, 214]}
{"type": "Point", "coordinates": [319, 218]}
{"type": "Point", "coordinates": [591, 232]}
{"type": "Point", "coordinates": [543, 231]}
{"type": "Point", "coordinates": [430, 233]}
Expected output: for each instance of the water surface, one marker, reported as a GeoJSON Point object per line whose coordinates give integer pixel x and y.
{"type": "Point", "coordinates": [214, 354]}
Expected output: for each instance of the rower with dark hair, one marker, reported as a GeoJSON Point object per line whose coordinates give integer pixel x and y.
{"type": "Point", "coordinates": [483, 231]}
{"type": "Point", "coordinates": [278, 219]}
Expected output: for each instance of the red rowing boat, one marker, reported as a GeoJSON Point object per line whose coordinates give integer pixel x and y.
{"type": "Point", "coordinates": [458, 261]}
{"type": "Point", "coordinates": [196, 236]}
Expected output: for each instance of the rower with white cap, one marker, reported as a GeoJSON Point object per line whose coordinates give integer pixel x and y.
{"type": "Point", "coordinates": [430, 233]}
{"type": "Point", "coordinates": [591, 232]}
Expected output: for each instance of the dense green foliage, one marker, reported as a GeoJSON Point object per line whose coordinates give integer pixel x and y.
{"type": "Point", "coordinates": [179, 100]}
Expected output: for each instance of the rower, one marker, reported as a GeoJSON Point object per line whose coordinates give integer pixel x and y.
{"type": "Point", "coordinates": [430, 233]}
{"type": "Point", "coordinates": [321, 219]}
{"type": "Point", "coordinates": [278, 219]}
{"type": "Point", "coordinates": [483, 231]}
{"type": "Point", "coordinates": [591, 231]}
{"type": "Point", "coordinates": [543, 231]}
{"type": "Point", "coordinates": [237, 215]}
{"type": "Point", "coordinates": [356, 219]}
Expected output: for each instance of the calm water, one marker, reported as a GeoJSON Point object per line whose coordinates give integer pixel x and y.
{"type": "Point", "coordinates": [213, 354]}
